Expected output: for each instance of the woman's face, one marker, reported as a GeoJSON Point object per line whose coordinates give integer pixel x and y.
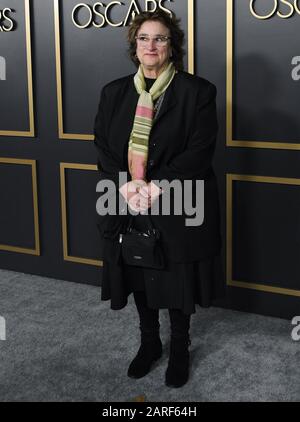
{"type": "Point", "coordinates": [152, 55]}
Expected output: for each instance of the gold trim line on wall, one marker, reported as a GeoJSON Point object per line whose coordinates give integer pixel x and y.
{"type": "Point", "coordinates": [31, 132]}
{"type": "Point", "coordinates": [229, 96]}
{"type": "Point", "coordinates": [230, 178]}
{"type": "Point", "coordinates": [64, 222]}
{"type": "Point", "coordinates": [18, 249]}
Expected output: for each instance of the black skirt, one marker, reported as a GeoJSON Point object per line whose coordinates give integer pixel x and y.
{"type": "Point", "coordinates": [177, 286]}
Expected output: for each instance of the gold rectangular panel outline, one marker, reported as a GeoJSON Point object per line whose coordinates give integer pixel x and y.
{"type": "Point", "coordinates": [64, 223]}
{"type": "Point", "coordinates": [230, 178]}
{"type": "Point", "coordinates": [36, 250]}
{"type": "Point", "coordinates": [86, 137]}
{"type": "Point", "coordinates": [229, 94]}
{"type": "Point", "coordinates": [29, 133]}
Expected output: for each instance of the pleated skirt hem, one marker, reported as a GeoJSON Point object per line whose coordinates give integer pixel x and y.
{"type": "Point", "coordinates": [180, 286]}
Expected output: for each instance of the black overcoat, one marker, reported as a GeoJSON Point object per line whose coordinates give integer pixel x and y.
{"type": "Point", "coordinates": [181, 146]}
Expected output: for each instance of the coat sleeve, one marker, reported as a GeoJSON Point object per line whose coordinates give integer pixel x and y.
{"type": "Point", "coordinates": [108, 165]}
{"type": "Point", "coordinates": [195, 161]}
{"type": "Point", "coordinates": [109, 168]}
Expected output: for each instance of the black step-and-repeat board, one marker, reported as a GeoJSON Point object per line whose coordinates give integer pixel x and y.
{"type": "Point", "coordinates": [55, 56]}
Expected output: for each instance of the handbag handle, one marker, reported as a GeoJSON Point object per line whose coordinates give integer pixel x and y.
{"type": "Point", "coordinates": [130, 221]}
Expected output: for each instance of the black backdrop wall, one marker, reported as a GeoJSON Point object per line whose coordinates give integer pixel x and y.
{"type": "Point", "coordinates": [52, 68]}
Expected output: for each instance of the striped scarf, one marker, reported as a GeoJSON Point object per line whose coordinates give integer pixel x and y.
{"type": "Point", "coordinates": [143, 120]}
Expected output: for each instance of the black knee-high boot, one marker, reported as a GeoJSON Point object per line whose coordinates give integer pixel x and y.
{"type": "Point", "coordinates": [151, 347]}
{"type": "Point", "coordinates": [177, 372]}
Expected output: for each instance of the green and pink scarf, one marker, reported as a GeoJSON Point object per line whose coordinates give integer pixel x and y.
{"type": "Point", "coordinates": [143, 120]}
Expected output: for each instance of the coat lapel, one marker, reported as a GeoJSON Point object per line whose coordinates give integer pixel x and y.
{"type": "Point", "coordinates": [170, 100]}
{"type": "Point", "coordinates": [131, 103]}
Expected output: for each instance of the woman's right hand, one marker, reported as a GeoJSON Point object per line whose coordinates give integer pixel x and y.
{"type": "Point", "coordinates": [131, 194]}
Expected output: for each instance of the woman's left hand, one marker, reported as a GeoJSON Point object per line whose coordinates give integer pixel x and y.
{"type": "Point", "coordinates": [149, 194]}
{"type": "Point", "coordinates": [131, 194]}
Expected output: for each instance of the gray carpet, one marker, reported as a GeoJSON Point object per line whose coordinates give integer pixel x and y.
{"type": "Point", "coordinates": [64, 344]}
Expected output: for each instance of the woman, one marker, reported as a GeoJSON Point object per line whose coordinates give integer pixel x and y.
{"type": "Point", "coordinates": [160, 124]}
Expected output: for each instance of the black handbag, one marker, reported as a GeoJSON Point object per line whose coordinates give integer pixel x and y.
{"type": "Point", "coordinates": [142, 249]}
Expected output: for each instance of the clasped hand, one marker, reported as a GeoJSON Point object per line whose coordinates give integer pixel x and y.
{"type": "Point", "coordinates": [139, 194]}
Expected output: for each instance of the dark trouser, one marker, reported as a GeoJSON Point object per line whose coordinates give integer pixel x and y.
{"type": "Point", "coordinates": [149, 318]}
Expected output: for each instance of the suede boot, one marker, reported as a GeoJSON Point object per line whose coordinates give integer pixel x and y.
{"type": "Point", "coordinates": [151, 347]}
{"type": "Point", "coordinates": [150, 350]}
{"type": "Point", "coordinates": [177, 373]}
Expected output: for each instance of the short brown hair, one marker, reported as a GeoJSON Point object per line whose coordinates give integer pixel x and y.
{"type": "Point", "coordinates": [171, 22]}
